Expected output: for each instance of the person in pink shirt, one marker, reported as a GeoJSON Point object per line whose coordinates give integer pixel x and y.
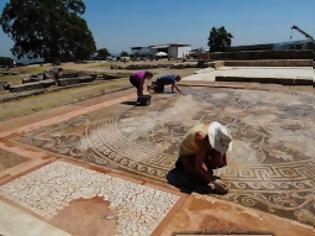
{"type": "Point", "coordinates": [137, 80]}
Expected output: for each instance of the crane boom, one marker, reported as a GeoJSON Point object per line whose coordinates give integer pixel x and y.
{"type": "Point", "coordinates": [294, 27]}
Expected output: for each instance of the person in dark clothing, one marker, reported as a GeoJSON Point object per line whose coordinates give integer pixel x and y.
{"type": "Point", "coordinates": [159, 85]}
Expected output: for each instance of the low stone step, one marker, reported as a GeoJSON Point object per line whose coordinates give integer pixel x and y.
{"type": "Point", "coordinates": [184, 65]}
{"type": "Point", "coordinates": [69, 75]}
{"type": "Point", "coordinates": [79, 80]}
{"type": "Point", "coordinates": [12, 96]}
{"type": "Point", "coordinates": [31, 86]}
{"type": "Point", "coordinates": [270, 63]}
{"type": "Point", "coordinates": [283, 81]}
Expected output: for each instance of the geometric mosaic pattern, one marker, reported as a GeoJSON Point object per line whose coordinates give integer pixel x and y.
{"type": "Point", "coordinates": [49, 189]}
{"type": "Point", "coordinates": [9, 160]}
{"type": "Point", "coordinates": [271, 166]}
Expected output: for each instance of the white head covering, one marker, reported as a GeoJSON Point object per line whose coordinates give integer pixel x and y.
{"type": "Point", "coordinates": [219, 137]}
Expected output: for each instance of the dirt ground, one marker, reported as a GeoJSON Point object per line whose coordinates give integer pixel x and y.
{"type": "Point", "coordinates": [29, 105]}
{"type": "Point", "coordinates": [25, 106]}
{"type": "Point", "coordinates": [105, 67]}
{"type": "Point", "coordinates": [99, 67]}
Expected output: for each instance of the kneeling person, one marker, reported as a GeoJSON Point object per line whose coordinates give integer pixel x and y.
{"type": "Point", "coordinates": [203, 150]}
{"type": "Point", "coordinates": [159, 85]}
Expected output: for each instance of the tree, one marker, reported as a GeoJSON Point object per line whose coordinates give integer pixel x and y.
{"type": "Point", "coordinates": [102, 54]}
{"type": "Point", "coordinates": [6, 61]}
{"type": "Point", "coordinates": [48, 29]}
{"type": "Point", "coordinates": [219, 39]}
{"type": "Point", "coordinates": [124, 54]}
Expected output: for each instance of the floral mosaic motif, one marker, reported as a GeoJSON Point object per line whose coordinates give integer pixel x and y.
{"type": "Point", "coordinates": [49, 189]}
{"type": "Point", "coordinates": [273, 143]}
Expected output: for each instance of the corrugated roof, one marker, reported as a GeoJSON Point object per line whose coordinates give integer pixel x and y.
{"type": "Point", "coordinates": [137, 48]}
{"type": "Point", "coordinates": [157, 46]}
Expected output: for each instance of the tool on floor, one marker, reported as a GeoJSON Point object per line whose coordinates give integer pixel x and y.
{"type": "Point", "coordinates": [110, 217]}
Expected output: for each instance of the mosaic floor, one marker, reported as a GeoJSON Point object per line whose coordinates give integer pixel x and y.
{"type": "Point", "coordinates": [271, 167]}
{"type": "Point", "coordinates": [8, 160]}
{"type": "Point", "coordinates": [46, 191]}
{"type": "Point", "coordinates": [66, 198]}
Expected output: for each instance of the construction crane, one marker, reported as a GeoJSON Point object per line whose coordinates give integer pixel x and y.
{"type": "Point", "coordinates": [298, 29]}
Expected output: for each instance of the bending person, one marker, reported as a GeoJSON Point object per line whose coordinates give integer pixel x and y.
{"type": "Point", "coordinates": [203, 150]}
{"type": "Point", "coordinates": [137, 80]}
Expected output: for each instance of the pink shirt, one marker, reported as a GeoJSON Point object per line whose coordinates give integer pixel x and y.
{"type": "Point", "coordinates": [139, 75]}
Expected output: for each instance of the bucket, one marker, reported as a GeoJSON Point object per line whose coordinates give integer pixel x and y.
{"type": "Point", "coordinates": [144, 100]}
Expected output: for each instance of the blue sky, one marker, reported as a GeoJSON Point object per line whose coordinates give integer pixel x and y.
{"type": "Point", "coordinates": [120, 24]}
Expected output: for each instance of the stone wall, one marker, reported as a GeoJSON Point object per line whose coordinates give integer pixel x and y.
{"type": "Point", "coordinates": [263, 54]}
{"type": "Point", "coordinates": [140, 66]}
{"type": "Point", "coordinates": [79, 80]}
{"type": "Point", "coordinates": [282, 81]}
{"type": "Point", "coordinates": [31, 86]}
{"type": "Point", "coordinates": [271, 63]}
{"type": "Point", "coordinates": [271, 46]}
{"type": "Point", "coordinates": [182, 65]}
{"type": "Point", "coordinates": [255, 47]}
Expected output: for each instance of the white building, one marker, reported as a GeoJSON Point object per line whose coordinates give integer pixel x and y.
{"type": "Point", "coordinates": [142, 51]}
{"type": "Point", "coordinates": [173, 50]}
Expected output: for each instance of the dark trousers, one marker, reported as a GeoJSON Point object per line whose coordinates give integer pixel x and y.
{"type": "Point", "coordinates": [158, 86]}
{"type": "Point", "coordinates": [187, 162]}
{"type": "Point", "coordinates": [135, 82]}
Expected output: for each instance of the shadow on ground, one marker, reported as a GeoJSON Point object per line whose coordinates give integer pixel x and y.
{"type": "Point", "coordinates": [183, 181]}
{"type": "Point", "coordinates": [130, 103]}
